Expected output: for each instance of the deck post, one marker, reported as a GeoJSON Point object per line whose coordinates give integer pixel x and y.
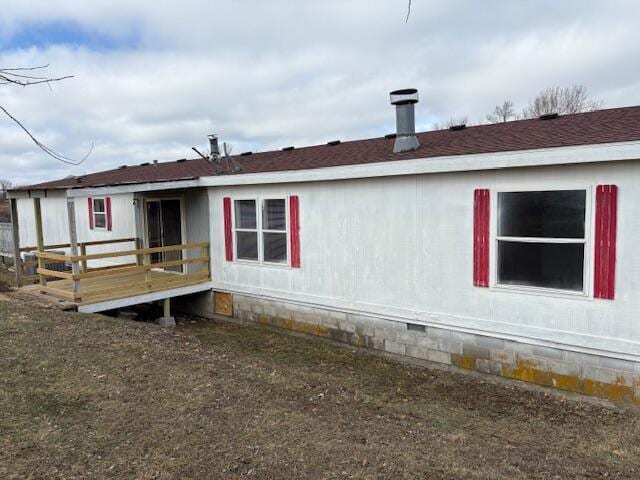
{"type": "Point", "coordinates": [37, 213]}
{"type": "Point", "coordinates": [139, 246]}
{"type": "Point", "coordinates": [167, 307]}
{"type": "Point", "coordinates": [17, 259]}
{"type": "Point", "coordinates": [73, 244]}
{"type": "Point", "coordinates": [166, 320]}
{"type": "Point", "coordinates": [205, 253]}
{"type": "Point", "coordinates": [146, 260]}
{"type": "Point", "coordinates": [83, 252]}
{"type": "Point", "coordinates": [138, 213]}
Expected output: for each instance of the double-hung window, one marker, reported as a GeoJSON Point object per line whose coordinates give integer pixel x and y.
{"type": "Point", "coordinates": [261, 233]}
{"type": "Point", "coordinates": [541, 239]}
{"type": "Point", "coordinates": [99, 213]}
{"type": "Point", "coordinates": [246, 226]}
{"type": "Point", "coordinates": [274, 230]}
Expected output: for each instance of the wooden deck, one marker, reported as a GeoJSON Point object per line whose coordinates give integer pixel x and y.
{"type": "Point", "coordinates": [118, 285]}
{"type": "Point", "coordinates": [147, 279]}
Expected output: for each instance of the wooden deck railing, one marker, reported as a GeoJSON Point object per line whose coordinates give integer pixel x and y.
{"type": "Point", "coordinates": [133, 277]}
{"type": "Point", "coordinates": [25, 264]}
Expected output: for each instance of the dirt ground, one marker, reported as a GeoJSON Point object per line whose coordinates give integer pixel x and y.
{"type": "Point", "coordinates": [88, 396]}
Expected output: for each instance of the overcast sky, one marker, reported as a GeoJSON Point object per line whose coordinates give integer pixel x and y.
{"type": "Point", "coordinates": [152, 79]}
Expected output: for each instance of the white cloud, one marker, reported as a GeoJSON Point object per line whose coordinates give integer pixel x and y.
{"type": "Point", "coordinates": [269, 74]}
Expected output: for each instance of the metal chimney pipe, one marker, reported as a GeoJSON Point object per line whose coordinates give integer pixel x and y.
{"type": "Point", "coordinates": [404, 100]}
{"type": "Point", "coordinates": [214, 154]}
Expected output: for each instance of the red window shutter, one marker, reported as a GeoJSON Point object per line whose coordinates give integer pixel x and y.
{"type": "Point", "coordinates": [90, 213]}
{"type": "Point", "coordinates": [481, 237]}
{"type": "Point", "coordinates": [228, 234]}
{"type": "Point", "coordinates": [605, 247]}
{"type": "Point", "coordinates": [294, 227]}
{"type": "Point", "coordinates": [107, 203]}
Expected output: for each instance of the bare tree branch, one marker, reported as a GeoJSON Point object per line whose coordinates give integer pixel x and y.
{"type": "Point", "coordinates": [560, 100]}
{"type": "Point", "coordinates": [5, 185]}
{"type": "Point", "coordinates": [574, 99]}
{"type": "Point", "coordinates": [8, 76]}
{"type": "Point", "coordinates": [43, 147]}
{"type": "Point", "coordinates": [15, 69]}
{"type": "Point", "coordinates": [406, 20]}
{"type": "Point", "coordinates": [452, 122]}
{"type": "Point", "coordinates": [502, 113]}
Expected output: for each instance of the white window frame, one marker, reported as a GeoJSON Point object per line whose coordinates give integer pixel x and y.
{"type": "Point", "coordinates": [237, 229]}
{"type": "Point", "coordinates": [285, 231]}
{"type": "Point", "coordinates": [589, 220]}
{"type": "Point", "coordinates": [259, 230]}
{"type": "Point", "coordinates": [94, 213]}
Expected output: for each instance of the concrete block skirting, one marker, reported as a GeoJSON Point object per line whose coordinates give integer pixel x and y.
{"type": "Point", "coordinates": [604, 377]}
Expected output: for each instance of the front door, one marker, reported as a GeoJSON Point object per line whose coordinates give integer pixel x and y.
{"type": "Point", "coordinates": [164, 228]}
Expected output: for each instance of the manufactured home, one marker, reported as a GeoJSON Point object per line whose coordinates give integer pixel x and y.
{"type": "Point", "coordinates": [508, 249]}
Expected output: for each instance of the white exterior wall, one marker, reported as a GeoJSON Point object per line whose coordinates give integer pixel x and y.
{"type": "Point", "coordinates": [402, 248]}
{"type": "Point", "coordinates": [55, 224]}
{"type": "Point", "coordinates": [196, 206]}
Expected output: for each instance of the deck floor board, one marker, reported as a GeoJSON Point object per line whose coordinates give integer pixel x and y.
{"type": "Point", "coordinates": [119, 285]}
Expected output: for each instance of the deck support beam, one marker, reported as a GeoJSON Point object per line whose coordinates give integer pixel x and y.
{"type": "Point", "coordinates": [73, 244]}
{"type": "Point", "coordinates": [138, 213]}
{"type": "Point", "coordinates": [166, 320]}
{"type": "Point", "coordinates": [37, 213]}
{"type": "Point", "coordinates": [17, 259]}
{"type": "Point", "coordinates": [167, 307]}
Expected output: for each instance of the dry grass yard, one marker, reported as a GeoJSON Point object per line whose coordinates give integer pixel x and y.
{"type": "Point", "coordinates": [86, 396]}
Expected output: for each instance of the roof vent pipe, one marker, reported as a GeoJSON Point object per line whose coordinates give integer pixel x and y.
{"type": "Point", "coordinates": [404, 101]}
{"type": "Point", "coordinates": [214, 154]}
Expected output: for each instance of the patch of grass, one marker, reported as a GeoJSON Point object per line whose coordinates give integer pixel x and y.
{"type": "Point", "coordinates": [86, 396]}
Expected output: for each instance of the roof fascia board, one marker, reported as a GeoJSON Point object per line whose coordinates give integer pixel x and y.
{"type": "Point", "coordinates": [130, 188]}
{"type": "Point", "coordinates": [605, 152]}
{"type": "Point", "coordinates": [36, 193]}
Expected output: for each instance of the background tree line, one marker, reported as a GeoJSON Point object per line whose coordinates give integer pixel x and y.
{"type": "Point", "coordinates": [560, 100]}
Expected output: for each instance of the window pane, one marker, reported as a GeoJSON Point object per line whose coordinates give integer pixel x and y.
{"type": "Point", "coordinates": [100, 220]}
{"type": "Point", "coordinates": [558, 214]}
{"type": "Point", "coordinates": [247, 245]}
{"type": "Point", "coordinates": [98, 205]}
{"type": "Point", "coordinates": [275, 215]}
{"type": "Point", "coordinates": [275, 247]}
{"type": "Point", "coordinates": [246, 214]}
{"type": "Point", "coordinates": [549, 265]}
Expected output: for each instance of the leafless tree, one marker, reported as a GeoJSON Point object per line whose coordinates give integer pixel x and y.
{"type": "Point", "coordinates": [561, 100]}
{"type": "Point", "coordinates": [4, 186]}
{"type": "Point", "coordinates": [452, 122]}
{"type": "Point", "coordinates": [406, 20]}
{"type": "Point", "coordinates": [502, 113]}
{"type": "Point", "coordinates": [26, 77]}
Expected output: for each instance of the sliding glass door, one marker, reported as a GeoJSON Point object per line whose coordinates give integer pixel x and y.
{"type": "Point", "coordinates": [164, 228]}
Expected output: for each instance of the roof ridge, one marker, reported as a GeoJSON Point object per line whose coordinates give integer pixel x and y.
{"type": "Point", "coordinates": [509, 122]}
{"type": "Point", "coordinates": [608, 125]}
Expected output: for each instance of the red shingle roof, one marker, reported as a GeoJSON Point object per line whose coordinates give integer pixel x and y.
{"type": "Point", "coordinates": [602, 126]}
{"type": "Point", "coordinates": [145, 173]}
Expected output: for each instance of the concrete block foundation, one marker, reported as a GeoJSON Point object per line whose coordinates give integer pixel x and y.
{"type": "Point", "coordinates": [609, 378]}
